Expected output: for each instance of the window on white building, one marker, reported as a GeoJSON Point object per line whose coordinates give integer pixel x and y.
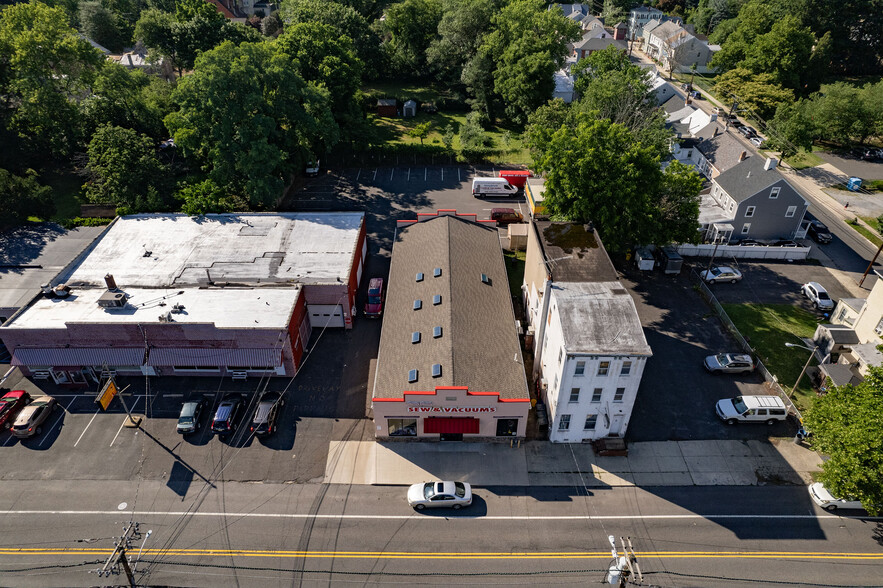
{"type": "Point", "coordinates": [580, 369]}
{"type": "Point", "coordinates": [591, 422]}
{"type": "Point", "coordinates": [603, 368]}
{"type": "Point", "coordinates": [596, 394]}
{"type": "Point", "coordinates": [560, 354]}
{"type": "Point", "coordinates": [626, 368]}
{"type": "Point", "coordinates": [790, 212]}
{"type": "Point", "coordinates": [879, 328]}
{"type": "Point", "coordinates": [617, 396]}
{"type": "Point", "coordinates": [564, 422]}
{"type": "Point", "coordinates": [749, 212]}
{"type": "Point", "coordinates": [574, 394]}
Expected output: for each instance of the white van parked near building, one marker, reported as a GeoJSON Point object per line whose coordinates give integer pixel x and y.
{"type": "Point", "coordinates": [751, 409]}
{"type": "Point", "coordinates": [484, 186]}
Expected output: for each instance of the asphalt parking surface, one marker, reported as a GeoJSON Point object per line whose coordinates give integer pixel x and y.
{"type": "Point", "coordinates": [853, 166]}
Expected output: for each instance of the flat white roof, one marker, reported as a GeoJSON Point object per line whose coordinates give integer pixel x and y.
{"type": "Point", "coordinates": [261, 308]}
{"type": "Point", "coordinates": [174, 250]}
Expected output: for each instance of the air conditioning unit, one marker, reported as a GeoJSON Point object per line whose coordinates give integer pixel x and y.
{"type": "Point", "coordinates": [113, 299]}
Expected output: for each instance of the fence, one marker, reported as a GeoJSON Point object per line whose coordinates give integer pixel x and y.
{"type": "Point", "coordinates": [771, 380]}
{"type": "Point", "coordinates": [757, 252]}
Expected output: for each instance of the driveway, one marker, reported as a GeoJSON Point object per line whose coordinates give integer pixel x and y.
{"type": "Point", "coordinates": [853, 166]}
{"type": "Point", "coordinates": [677, 396]}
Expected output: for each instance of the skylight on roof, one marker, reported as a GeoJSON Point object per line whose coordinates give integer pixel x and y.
{"type": "Point", "coordinates": [419, 277]}
{"type": "Point", "coordinates": [436, 370]}
{"type": "Point", "coordinates": [436, 332]}
{"type": "Point", "coordinates": [415, 337]}
{"type": "Point", "coordinates": [436, 300]}
{"type": "Point", "coordinates": [436, 272]}
{"type": "Point", "coordinates": [485, 279]}
{"type": "Point", "coordinates": [412, 376]}
{"type": "Point", "coordinates": [418, 304]}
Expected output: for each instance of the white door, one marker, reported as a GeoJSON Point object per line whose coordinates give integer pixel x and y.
{"type": "Point", "coordinates": [326, 315]}
{"type": "Point", "coordinates": [615, 426]}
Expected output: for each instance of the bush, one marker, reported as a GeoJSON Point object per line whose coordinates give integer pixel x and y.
{"type": "Point", "coordinates": [70, 223]}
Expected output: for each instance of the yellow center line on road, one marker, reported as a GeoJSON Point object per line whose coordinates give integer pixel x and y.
{"type": "Point", "coordinates": [450, 555]}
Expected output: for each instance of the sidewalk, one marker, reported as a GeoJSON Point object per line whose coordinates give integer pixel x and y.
{"type": "Point", "coordinates": [540, 463]}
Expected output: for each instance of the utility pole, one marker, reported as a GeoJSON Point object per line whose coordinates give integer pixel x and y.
{"type": "Point", "coordinates": [732, 113]}
{"type": "Point", "coordinates": [870, 265]}
{"type": "Point", "coordinates": [119, 557]}
{"type": "Point", "coordinates": [624, 569]}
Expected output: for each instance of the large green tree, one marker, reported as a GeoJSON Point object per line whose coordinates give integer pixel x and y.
{"type": "Point", "coordinates": [792, 128]}
{"type": "Point", "coordinates": [410, 27]}
{"type": "Point", "coordinates": [100, 24]}
{"type": "Point", "coordinates": [847, 427]}
{"type": "Point", "coordinates": [599, 172]}
{"type": "Point", "coordinates": [250, 119]}
{"type": "Point", "coordinates": [124, 170]}
{"type": "Point", "coordinates": [23, 196]}
{"type": "Point", "coordinates": [841, 115]}
{"type": "Point", "coordinates": [529, 44]}
{"type": "Point", "coordinates": [784, 52]}
{"type": "Point", "coordinates": [46, 68]}
{"type": "Point", "coordinates": [127, 98]}
{"type": "Point", "coordinates": [759, 93]}
{"type": "Point", "coordinates": [462, 28]}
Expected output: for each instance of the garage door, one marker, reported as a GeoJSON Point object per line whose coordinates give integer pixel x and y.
{"type": "Point", "coordinates": [326, 315]}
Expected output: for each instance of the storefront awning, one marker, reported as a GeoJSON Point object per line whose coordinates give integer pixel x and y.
{"type": "Point", "coordinates": [78, 356]}
{"type": "Point", "coordinates": [451, 425]}
{"type": "Point", "coordinates": [187, 356]}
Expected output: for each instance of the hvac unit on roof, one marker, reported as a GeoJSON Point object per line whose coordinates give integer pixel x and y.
{"type": "Point", "coordinates": [112, 299]}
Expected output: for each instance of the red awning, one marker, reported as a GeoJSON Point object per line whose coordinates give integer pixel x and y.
{"type": "Point", "coordinates": [451, 425]}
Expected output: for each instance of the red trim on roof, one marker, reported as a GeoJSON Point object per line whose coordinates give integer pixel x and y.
{"type": "Point", "coordinates": [443, 388]}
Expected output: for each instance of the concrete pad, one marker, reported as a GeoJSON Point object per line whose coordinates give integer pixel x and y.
{"type": "Point", "coordinates": [797, 456]}
{"type": "Point", "coordinates": [697, 448]}
{"type": "Point", "coordinates": [585, 481]}
{"type": "Point", "coordinates": [713, 479]}
{"type": "Point", "coordinates": [663, 479]}
{"type": "Point", "coordinates": [542, 456]}
{"type": "Point", "coordinates": [481, 464]}
{"type": "Point", "coordinates": [643, 464]}
{"type": "Point", "coordinates": [744, 478]}
{"type": "Point", "coordinates": [741, 464]}
{"type": "Point", "coordinates": [780, 477]}
{"type": "Point", "coordinates": [705, 463]}
{"type": "Point", "coordinates": [614, 479]}
{"type": "Point", "coordinates": [612, 463]}
{"type": "Point", "coordinates": [350, 462]}
{"type": "Point", "coordinates": [731, 447]}
{"type": "Point", "coordinates": [763, 448]}
{"type": "Point", "coordinates": [673, 463]}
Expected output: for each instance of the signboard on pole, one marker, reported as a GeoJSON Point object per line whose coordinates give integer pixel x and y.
{"type": "Point", "coordinates": [106, 395]}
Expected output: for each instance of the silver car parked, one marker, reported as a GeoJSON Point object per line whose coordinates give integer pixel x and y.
{"type": "Point", "coordinates": [454, 495]}
{"type": "Point", "coordinates": [729, 363]}
{"type": "Point", "coordinates": [29, 420]}
{"type": "Point", "coordinates": [721, 273]}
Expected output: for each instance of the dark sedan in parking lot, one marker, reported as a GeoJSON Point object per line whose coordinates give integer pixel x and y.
{"type": "Point", "coordinates": [818, 232]}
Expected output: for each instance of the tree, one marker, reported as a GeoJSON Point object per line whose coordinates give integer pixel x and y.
{"type": "Point", "coordinates": [448, 137]}
{"type": "Point", "coordinates": [840, 114]}
{"type": "Point", "coordinates": [599, 172]}
{"type": "Point", "coordinates": [127, 98]}
{"type": "Point", "coordinates": [100, 24]}
{"type": "Point", "coordinates": [472, 135]}
{"type": "Point", "coordinates": [528, 46]}
{"type": "Point", "coordinates": [46, 68]}
{"type": "Point", "coordinates": [23, 196]}
{"type": "Point", "coordinates": [207, 197]}
{"type": "Point", "coordinates": [791, 129]}
{"type": "Point", "coordinates": [855, 28]}
{"type": "Point", "coordinates": [123, 170]}
{"type": "Point", "coordinates": [410, 27]}
{"type": "Point", "coordinates": [420, 131]}
{"type": "Point", "coordinates": [271, 26]}
{"type": "Point", "coordinates": [758, 92]}
{"type": "Point", "coordinates": [783, 53]}
{"type": "Point", "coordinates": [345, 20]}
{"type": "Point", "coordinates": [756, 18]}
{"type": "Point", "coordinates": [544, 122]}
{"type": "Point", "coordinates": [462, 27]}
{"type": "Point", "coordinates": [250, 119]}
{"type": "Point", "coordinates": [846, 426]}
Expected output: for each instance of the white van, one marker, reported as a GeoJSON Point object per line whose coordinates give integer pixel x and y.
{"type": "Point", "coordinates": [751, 409]}
{"type": "Point", "coordinates": [484, 186]}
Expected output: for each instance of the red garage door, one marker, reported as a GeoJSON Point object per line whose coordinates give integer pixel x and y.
{"type": "Point", "coordinates": [451, 425]}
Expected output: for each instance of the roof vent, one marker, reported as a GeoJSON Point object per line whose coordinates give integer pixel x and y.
{"type": "Point", "coordinates": [112, 299]}
{"type": "Point", "coordinates": [436, 370]}
{"type": "Point", "coordinates": [110, 282]}
{"type": "Point", "coordinates": [412, 376]}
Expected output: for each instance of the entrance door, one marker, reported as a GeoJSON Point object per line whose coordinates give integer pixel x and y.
{"type": "Point", "coordinates": [451, 437]}
{"type": "Point", "coordinates": [615, 426]}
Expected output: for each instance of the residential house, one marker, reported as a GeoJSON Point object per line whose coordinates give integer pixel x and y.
{"type": "Point", "coordinates": [720, 152]}
{"type": "Point", "coordinates": [661, 89]}
{"type": "Point", "coordinates": [564, 86]}
{"type": "Point", "coordinates": [675, 48]}
{"type": "Point", "coordinates": [638, 19]}
{"type": "Point", "coordinates": [586, 47]}
{"type": "Point", "coordinates": [449, 366]}
{"type": "Point", "coordinates": [752, 200]}
{"type": "Point", "coordinates": [620, 30]}
{"type": "Point", "coordinates": [588, 343]}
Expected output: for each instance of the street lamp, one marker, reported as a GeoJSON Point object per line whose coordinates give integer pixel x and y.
{"type": "Point", "coordinates": [806, 365]}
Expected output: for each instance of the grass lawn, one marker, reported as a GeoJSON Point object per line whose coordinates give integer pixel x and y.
{"type": "Point", "coordinates": [66, 187]}
{"type": "Point", "coordinates": [768, 327]}
{"type": "Point", "coordinates": [869, 235]}
{"type": "Point", "coordinates": [804, 159]}
{"type": "Point", "coordinates": [395, 130]}
{"type": "Point", "coordinates": [515, 270]}
{"type": "Point", "coordinates": [406, 91]}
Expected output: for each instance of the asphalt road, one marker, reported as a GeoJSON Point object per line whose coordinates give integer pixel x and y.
{"type": "Point", "coordinates": [311, 535]}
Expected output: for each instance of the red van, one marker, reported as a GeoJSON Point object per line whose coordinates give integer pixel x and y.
{"type": "Point", "coordinates": [374, 305]}
{"type": "Point", "coordinates": [517, 178]}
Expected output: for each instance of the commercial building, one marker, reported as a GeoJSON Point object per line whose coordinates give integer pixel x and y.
{"type": "Point", "coordinates": [589, 345]}
{"type": "Point", "coordinates": [170, 294]}
{"type": "Point", "coordinates": [449, 365]}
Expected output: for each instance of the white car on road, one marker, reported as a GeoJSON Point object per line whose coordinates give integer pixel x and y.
{"type": "Point", "coordinates": [828, 501]}
{"type": "Point", "coordinates": [454, 495]}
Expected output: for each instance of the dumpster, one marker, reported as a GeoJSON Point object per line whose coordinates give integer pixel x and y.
{"type": "Point", "coordinates": [644, 259]}
{"type": "Point", "coordinates": [670, 260]}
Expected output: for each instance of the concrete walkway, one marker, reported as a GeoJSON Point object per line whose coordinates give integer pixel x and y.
{"type": "Point", "coordinates": [540, 463]}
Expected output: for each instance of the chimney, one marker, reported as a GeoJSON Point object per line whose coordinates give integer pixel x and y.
{"type": "Point", "coordinates": [110, 282]}
{"type": "Point", "coordinates": [743, 155]}
{"type": "Point", "coordinates": [770, 163]}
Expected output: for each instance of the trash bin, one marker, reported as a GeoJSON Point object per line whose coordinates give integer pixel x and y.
{"type": "Point", "coordinates": [854, 184]}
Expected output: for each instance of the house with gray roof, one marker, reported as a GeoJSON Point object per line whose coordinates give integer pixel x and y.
{"type": "Point", "coordinates": [720, 153]}
{"type": "Point", "coordinates": [668, 42]}
{"type": "Point", "coordinates": [449, 365]}
{"type": "Point", "coordinates": [756, 201]}
{"type": "Point", "coordinates": [587, 46]}
{"type": "Point", "coordinates": [589, 345]}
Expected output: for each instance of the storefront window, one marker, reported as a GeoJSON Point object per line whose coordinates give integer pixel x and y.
{"type": "Point", "coordinates": [402, 427]}
{"type": "Point", "coordinates": [507, 427]}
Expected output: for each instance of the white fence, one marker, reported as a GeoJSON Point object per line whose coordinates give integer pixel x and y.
{"type": "Point", "coordinates": [758, 252]}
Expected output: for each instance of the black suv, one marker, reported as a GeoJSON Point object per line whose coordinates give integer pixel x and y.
{"type": "Point", "coordinates": [224, 422]}
{"type": "Point", "coordinates": [266, 414]}
{"type": "Point", "coordinates": [818, 232]}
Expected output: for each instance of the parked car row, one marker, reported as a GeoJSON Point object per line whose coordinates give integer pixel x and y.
{"type": "Point", "coordinates": [868, 153]}
{"type": "Point", "coordinates": [776, 243]}
{"type": "Point", "coordinates": [23, 415]}
{"type": "Point", "coordinates": [263, 422]}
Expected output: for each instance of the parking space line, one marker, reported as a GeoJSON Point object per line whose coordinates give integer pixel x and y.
{"type": "Point", "coordinates": [87, 428]}
{"type": "Point", "coordinates": [11, 437]}
{"type": "Point", "coordinates": [443, 174]}
{"type": "Point", "coordinates": [458, 174]}
{"type": "Point", "coordinates": [375, 175]}
{"type": "Point", "coordinates": [425, 172]}
{"type": "Point", "coordinates": [391, 172]}
{"type": "Point", "coordinates": [122, 424]}
{"type": "Point", "coordinates": [57, 420]}
{"type": "Point", "coordinates": [358, 174]}
{"type": "Point", "coordinates": [409, 174]}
